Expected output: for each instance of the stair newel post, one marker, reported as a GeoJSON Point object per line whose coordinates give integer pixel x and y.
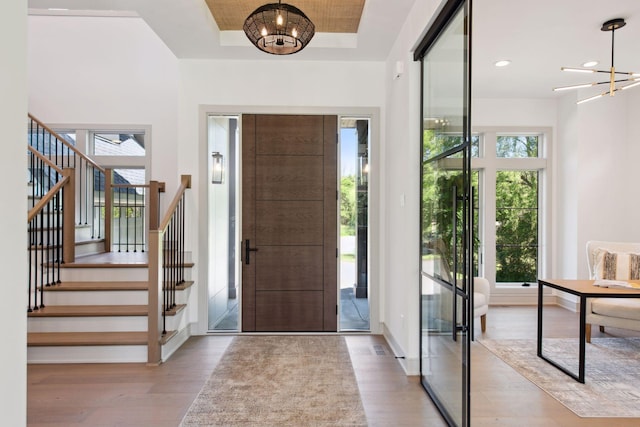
{"type": "Point", "coordinates": [154, 354]}
{"type": "Point", "coordinates": [155, 188]}
{"type": "Point", "coordinates": [68, 219]}
{"type": "Point", "coordinates": [108, 208]}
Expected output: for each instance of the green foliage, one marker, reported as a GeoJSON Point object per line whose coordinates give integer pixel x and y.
{"type": "Point", "coordinates": [516, 206]}
{"type": "Point", "coordinates": [516, 226]}
{"type": "Point", "coordinates": [348, 203]}
{"type": "Point", "coordinates": [517, 146]}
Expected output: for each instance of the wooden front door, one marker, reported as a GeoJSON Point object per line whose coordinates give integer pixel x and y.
{"type": "Point", "coordinates": [289, 223]}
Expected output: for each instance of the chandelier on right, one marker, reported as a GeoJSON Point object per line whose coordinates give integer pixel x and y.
{"type": "Point", "coordinates": [626, 79]}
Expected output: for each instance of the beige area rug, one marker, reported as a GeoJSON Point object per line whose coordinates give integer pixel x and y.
{"type": "Point", "coordinates": [612, 373]}
{"type": "Point", "coordinates": [280, 381]}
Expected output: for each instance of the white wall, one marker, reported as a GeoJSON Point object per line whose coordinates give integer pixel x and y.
{"type": "Point", "coordinates": [400, 192]}
{"type": "Point", "coordinates": [107, 70]}
{"type": "Point", "coordinates": [278, 85]}
{"type": "Point", "coordinates": [607, 150]}
{"type": "Point", "coordinates": [565, 181]}
{"type": "Point", "coordinates": [13, 227]}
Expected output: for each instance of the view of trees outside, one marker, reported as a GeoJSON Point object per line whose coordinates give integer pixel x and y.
{"type": "Point", "coordinates": [517, 213]}
{"type": "Point", "coordinates": [516, 206]}
{"type": "Point", "coordinates": [348, 205]}
{"type": "Point", "coordinates": [442, 180]}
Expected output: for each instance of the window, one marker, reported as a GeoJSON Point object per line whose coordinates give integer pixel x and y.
{"type": "Point", "coordinates": [118, 144]}
{"type": "Point", "coordinates": [512, 175]}
{"type": "Point", "coordinates": [122, 150]}
{"type": "Point", "coordinates": [517, 226]}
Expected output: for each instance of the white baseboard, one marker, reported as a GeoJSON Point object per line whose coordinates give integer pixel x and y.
{"type": "Point", "coordinates": [411, 366]}
{"type": "Point", "coordinates": [568, 303]}
{"type": "Point", "coordinates": [175, 343]}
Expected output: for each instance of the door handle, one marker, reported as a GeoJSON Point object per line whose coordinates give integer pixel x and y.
{"type": "Point", "coordinates": [454, 320]}
{"type": "Point", "coordinates": [247, 251]}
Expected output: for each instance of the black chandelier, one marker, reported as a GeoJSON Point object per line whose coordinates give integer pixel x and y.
{"type": "Point", "coordinates": [279, 28]}
{"type": "Point", "coordinates": [626, 78]}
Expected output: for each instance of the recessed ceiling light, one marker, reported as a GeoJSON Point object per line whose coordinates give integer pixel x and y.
{"type": "Point", "coordinates": [59, 9]}
{"type": "Point", "coordinates": [590, 64]}
{"type": "Point", "coordinates": [503, 63]}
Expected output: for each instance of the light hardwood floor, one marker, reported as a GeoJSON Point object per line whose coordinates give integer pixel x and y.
{"type": "Point", "coordinates": [139, 395]}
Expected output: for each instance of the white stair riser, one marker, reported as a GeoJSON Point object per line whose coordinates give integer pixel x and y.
{"type": "Point", "coordinates": [88, 354]}
{"type": "Point", "coordinates": [104, 274]}
{"type": "Point", "coordinates": [96, 298]}
{"type": "Point", "coordinates": [177, 322]}
{"type": "Point", "coordinates": [83, 232]}
{"type": "Point", "coordinates": [88, 324]}
{"type": "Point", "coordinates": [90, 248]}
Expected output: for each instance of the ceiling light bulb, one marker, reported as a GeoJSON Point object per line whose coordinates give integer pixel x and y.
{"type": "Point", "coordinates": [264, 32]}
{"type": "Point", "coordinates": [590, 64]}
{"type": "Point", "coordinates": [503, 63]}
{"type": "Point", "coordinates": [592, 98]}
{"type": "Point", "coordinates": [279, 20]}
{"type": "Point", "coordinates": [630, 86]}
{"type": "Point", "coordinates": [573, 87]}
{"type": "Point", "coordinates": [577, 70]}
{"type": "Point", "coordinates": [294, 33]}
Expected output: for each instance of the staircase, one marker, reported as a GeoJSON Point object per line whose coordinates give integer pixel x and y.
{"type": "Point", "coordinates": [101, 306]}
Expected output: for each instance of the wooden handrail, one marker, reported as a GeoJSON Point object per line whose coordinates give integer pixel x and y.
{"type": "Point", "coordinates": [69, 146]}
{"type": "Point", "coordinates": [185, 182]}
{"type": "Point", "coordinates": [45, 159]}
{"type": "Point", "coordinates": [46, 198]}
{"type": "Point", "coordinates": [130, 186]}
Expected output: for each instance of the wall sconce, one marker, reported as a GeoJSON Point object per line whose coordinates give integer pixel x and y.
{"type": "Point", "coordinates": [217, 173]}
{"type": "Point", "coordinates": [364, 170]}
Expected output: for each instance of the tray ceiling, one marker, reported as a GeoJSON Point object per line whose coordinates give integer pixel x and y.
{"type": "Point", "coordinates": [329, 16]}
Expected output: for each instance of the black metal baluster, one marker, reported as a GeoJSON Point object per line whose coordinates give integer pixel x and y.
{"type": "Point", "coordinates": [119, 221]}
{"type": "Point", "coordinates": [175, 260]}
{"type": "Point", "coordinates": [165, 303]}
{"type": "Point", "coordinates": [42, 260]}
{"type": "Point", "coordinates": [29, 284]}
{"type": "Point", "coordinates": [182, 205]}
{"type": "Point", "coordinates": [126, 213]}
{"type": "Point", "coordinates": [47, 248]}
{"type": "Point", "coordinates": [135, 220]}
{"type": "Point", "coordinates": [59, 213]}
{"type": "Point", "coordinates": [44, 148]}
{"type": "Point", "coordinates": [143, 218]}
{"type": "Point", "coordinates": [99, 215]}
{"type": "Point", "coordinates": [87, 182]}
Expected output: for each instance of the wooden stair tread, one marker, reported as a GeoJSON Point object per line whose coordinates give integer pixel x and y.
{"type": "Point", "coordinates": [184, 285]}
{"type": "Point", "coordinates": [88, 241]}
{"type": "Point", "coordinates": [105, 265]}
{"type": "Point", "coordinates": [166, 337]}
{"type": "Point", "coordinates": [98, 286]}
{"type": "Point", "coordinates": [175, 310]}
{"type": "Point", "coordinates": [40, 339]}
{"type": "Point", "coordinates": [90, 311]}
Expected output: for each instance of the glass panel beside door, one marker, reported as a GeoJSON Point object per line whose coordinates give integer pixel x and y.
{"type": "Point", "coordinates": [446, 213]}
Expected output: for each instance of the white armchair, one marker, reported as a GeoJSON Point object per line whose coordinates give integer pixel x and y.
{"type": "Point", "coordinates": [615, 312]}
{"type": "Point", "coordinates": [481, 293]}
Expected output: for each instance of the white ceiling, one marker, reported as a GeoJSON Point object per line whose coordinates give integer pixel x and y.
{"type": "Point", "coordinates": [538, 36]}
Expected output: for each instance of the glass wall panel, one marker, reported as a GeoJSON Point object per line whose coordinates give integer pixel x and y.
{"type": "Point", "coordinates": [446, 216]}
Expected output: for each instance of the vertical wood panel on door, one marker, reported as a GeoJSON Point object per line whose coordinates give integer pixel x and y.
{"type": "Point", "coordinates": [290, 223]}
